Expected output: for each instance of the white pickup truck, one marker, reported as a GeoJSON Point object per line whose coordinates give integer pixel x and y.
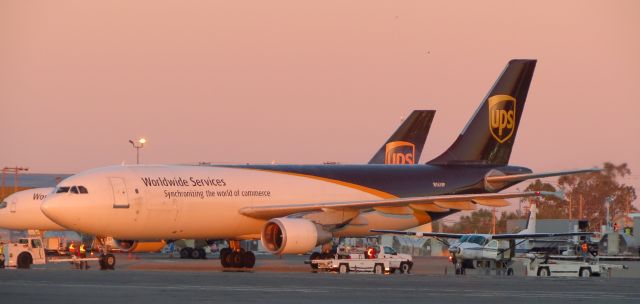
{"type": "Point", "coordinates": [376, 259]}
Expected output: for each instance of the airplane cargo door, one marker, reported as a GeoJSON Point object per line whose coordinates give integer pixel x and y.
{"type": "Point", "coordinates": [120, 199]}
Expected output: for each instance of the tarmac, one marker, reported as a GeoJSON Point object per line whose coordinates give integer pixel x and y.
{"type": "Point", "coordinates": [155, 278]}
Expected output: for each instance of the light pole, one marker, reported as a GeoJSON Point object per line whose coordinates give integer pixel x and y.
{"type": "Point", "coordinates": [139, 144]}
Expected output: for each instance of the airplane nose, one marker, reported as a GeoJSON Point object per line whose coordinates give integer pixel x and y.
{"type": "Point", "coordinates": [454, 250]}
{"type": "Point", "coordinates": [54, 209]}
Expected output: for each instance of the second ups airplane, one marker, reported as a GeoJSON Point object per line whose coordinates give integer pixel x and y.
{"type": "Point", "coordinates": [294, 208]}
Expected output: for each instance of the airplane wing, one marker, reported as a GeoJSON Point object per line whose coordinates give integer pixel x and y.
{"type": "Point", "coordinates": [537, 235]}
{"type": "Point", "coordinates": [420, 234]}
{"type": "Point", "coordinates": [414, 203]}
{"type": "Point", "coordinates": [521, 177]}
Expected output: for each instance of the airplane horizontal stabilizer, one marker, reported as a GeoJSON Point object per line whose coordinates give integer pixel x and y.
{"type": "Point", "coordinates": [522, 177]}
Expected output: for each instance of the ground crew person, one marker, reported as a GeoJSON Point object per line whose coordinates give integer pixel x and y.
{"type": "Point", "coordinates": [72, 249]}
{"type": "Point", "coordinates": [585, 250]}
{"type": "Point", "coordinates": [83, 251]}
{"type": "Point", "coordinates": [1, 255]}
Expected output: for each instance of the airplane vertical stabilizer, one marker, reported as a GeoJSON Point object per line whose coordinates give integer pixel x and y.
{"type": "Point", "coordinates": [406, 143]}
{"type": "Point", "coordinates": [490, 134]}
{"type": "Point", "coordinates": [531, 220]}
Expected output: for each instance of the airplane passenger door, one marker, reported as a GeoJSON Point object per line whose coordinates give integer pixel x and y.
{"type": "Point", "coordinates": [120, 198]}
{"type": "Point", "coordinates": [12, 207]}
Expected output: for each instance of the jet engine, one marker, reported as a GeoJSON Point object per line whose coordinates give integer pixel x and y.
{"type": "Point", "coordinates": [137, 246]}
{"type": "Point", "coordinates": [292, 235]}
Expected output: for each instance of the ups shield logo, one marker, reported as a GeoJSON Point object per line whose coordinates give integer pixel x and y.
{"type": "Point", "coordinates": [400, 153]}
{"type": "Point", "coordinates": [502, 117]}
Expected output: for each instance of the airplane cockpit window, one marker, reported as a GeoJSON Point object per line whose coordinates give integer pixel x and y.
{"type": "Point", "coordinates": [74, 189]}
{"type": "Point", "coordinates": [464, 239]}
{"type": "Point", "coordinates": [3, 204]}
{"type": "Point", "coordinates": [477, 239]}
{"type": "Point", "coordinates": [62, 189]}
{"type": "Point", "coordinates": [83, 190]}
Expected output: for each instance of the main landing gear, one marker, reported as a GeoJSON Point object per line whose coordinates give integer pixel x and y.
{"type": "Point", "coordinates": [236, 257]}
{"type": "Point", "coordinates": [107, 260]}
{"type": "Point", "coordinates": [192, 253]}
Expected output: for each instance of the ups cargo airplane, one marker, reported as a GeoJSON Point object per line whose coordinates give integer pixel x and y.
{"type": "Point", "coordinates": [294, 208]}
{"type": "Point", "coordinates": [21, 210]}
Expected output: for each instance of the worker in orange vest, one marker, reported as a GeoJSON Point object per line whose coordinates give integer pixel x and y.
{"type": "Point", "coordinates": [585, 250]}
{"type": "Point", "coordinates": [83, 251]}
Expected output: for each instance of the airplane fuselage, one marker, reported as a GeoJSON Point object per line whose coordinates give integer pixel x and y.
{"type": "Point", "coordinates": [150, 202]}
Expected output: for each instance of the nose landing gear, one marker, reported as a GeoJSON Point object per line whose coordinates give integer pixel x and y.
{"type": "Point", "coordinates": [236, 257]}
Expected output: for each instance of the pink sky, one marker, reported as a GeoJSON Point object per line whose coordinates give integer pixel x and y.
{"type": "Point", "coordinates": [291, 81]}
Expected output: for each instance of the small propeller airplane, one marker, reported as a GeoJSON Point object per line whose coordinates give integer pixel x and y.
{"type": "Point", "coordinates": [488, 251]}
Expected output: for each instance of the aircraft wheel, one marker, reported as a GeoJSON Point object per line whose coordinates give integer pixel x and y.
{"type": "Point", "coordinates": [203, 254]}
{"type": "Point", "coordinates": [544, 272]}
{"type": "Point", "coordinates": [224, 257]}
{"type": "Point", "coordinates": [185, 253]}
{"type": "Point", "coordinates": [405, 267]}
{"type": "Point", "coordinates": [107, 261]}
{"type": "Point", "coordinates": [195, 254]}
{"type": "Point", "coordinates": [248, 259]}
{"type": "Point", "coordinates": [343, 268]}
{"type": "Point", "coordinates": [314, 256]}
{"type": "Point", "coordinates": [510, 271]}
{"type": "Point", "coordinates": [235, 259]}
{"type": "Point", "coordinates": [378, 269]}
{"type": "Point", "coordinates": [24, 260]}
{"type": "Point", "coordinates": [585, 272]}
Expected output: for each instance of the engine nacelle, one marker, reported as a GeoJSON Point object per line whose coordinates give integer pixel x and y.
{"type": "Point", "coordinates": [137, 246]}
{"type": "Point", "coordinates": [292, 235]}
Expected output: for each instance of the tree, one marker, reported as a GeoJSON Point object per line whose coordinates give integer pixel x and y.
{"type": "Point", "coordinates": [593, 190]}
{"type": "Point", "coordinates": [549, 207]}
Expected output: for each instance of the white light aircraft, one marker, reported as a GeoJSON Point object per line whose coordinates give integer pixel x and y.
{"type": "Point", "coordinates": [488, 250]}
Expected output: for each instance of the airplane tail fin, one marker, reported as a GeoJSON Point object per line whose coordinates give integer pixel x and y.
{"type": "Point", "coordinates": [531, 220]}
{"type": "Point", "coordinates": [489, 136]}
{"type": "Point", "coordinates": [406, 143]}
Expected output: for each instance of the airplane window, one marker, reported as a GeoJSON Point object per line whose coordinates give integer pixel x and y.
{"type": "Point", "coordinates": [493, 244]}
{"type": "Point", "coordinates": [3, 204]}
{"type": "Point", "coordinates": [82, 189]}
{"type": "Point", "coordinates": [477, 239]}
{"type": "Point", "coordinates": [74, 189]}
{"type": "Point", "coordinates": [23, 241]}
{"type": "Point", "coordinates": [62, 190]}
{"type": "Point", "coordinates": [464, 239]}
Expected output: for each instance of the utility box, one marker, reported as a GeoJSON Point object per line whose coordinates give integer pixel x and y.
{"type": "Point", "coordinates": [613, 247]}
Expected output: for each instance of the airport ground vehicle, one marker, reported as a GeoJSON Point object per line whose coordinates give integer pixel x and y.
{"type": "Point", "coordinates": [30, 251]}
{"type": "Point", "coordinates": [543, 267]}
{"type": "Point", "coordinates": [376, 259]}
